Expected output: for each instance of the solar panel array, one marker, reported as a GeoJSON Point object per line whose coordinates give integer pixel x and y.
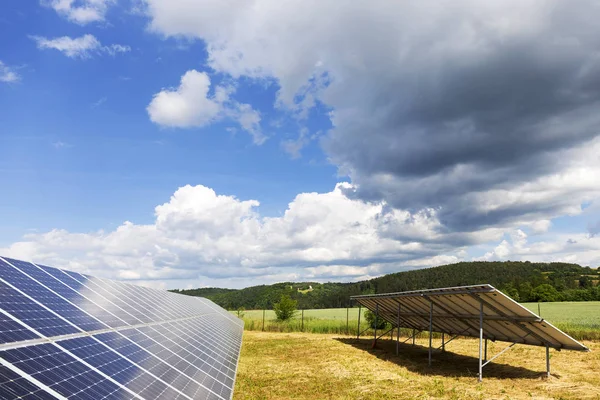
{"type": "Point", "coordinates": [64, 335]}
{"type": "Point", "coordinates": [457, 311]}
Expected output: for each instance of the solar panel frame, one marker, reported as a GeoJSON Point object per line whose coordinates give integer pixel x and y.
{"type": "Point", "coordinates": [504, 319]}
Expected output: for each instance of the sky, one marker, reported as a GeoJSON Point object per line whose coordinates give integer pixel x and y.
{"type": "Point", "coordinates": [183, 144]}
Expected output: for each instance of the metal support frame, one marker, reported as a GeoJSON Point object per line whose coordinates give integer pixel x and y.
{"type": "Point", "coordinates": [522, 325]}
{"type": "Point", "coordinates": [443, 343]}
{"type": "Point", "coordinates": [358, 328]}
{"type": "Point", "coordinates": [398, 332]}
{"type": "Point", "coordinates": [480, 375]}
{"type": "Point", "coordinates": [414, 334]}
{"type": "Point", "coordinates": [376, 323]}
{"type": "Point", "coordinates": [384, 333]}
{"type": "Point", "coordinates": [485, 350]}
{"type": "Point", "coordinates": [498, 355]}
{"type": "Point", "coordinates": [430, 328]}
{"type": "Point", "coordinates": [451, 339]}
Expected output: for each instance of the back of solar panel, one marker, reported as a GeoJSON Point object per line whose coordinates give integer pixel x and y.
{"type": "Point", "coordinates": [68, 335]}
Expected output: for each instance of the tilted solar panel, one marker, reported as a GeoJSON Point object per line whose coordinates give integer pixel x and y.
{"type": "Point", "coordinates": [68, 335]}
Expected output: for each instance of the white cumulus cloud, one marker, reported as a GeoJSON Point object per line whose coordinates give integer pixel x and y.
{"type": "Point", "coordinates": [82, 47]}
{"type": "Point", "coordinates": [192, 105]}
{"type": "Point", "coordinates": [81, 12]}
{"type": "Point", "coordinates": [7, 74]}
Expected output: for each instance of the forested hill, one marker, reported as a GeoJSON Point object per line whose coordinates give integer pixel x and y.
{"type": "Point", "coordinates": [524, 281]}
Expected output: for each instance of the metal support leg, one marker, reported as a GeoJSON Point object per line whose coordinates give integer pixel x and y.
{"type": "Point", "coordinates": [480, 377]}
{"type": "Point", "coordinates": [358, 329]}
{"type": "Point", "coordinates": [398, 332]}
{"type": "Point", "coordinates": [443, 342]}
{"type": "Point", "coordinates": [376, 323]}
{"type": "Point", "coordinates": [547, 361]}
{"type": "Point", "coordinates": [430, 329]}
{"type": "Point", "coordinates": [485, 350]}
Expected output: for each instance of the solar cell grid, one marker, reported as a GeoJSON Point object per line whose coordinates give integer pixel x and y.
{"type": "Point", "coordinates": [146, 351]}
{"type": "Point", "coordinates": [13, 386]}
{"type": "Point", "coordinates": [199, 359]}
{"type": "Point", "coordinates": [32, 314]}
{"type": "Point", "coordinates": [143, 351]}
{"type": "Point", "coordinates": [118, 368]}
{"type": "Point", "coordinates": [12, 331]}
{"type": "Point", "coordinates": [195, 333]}
{"type": "Point", "coordinates": [63, 373]}
{"type": "Point", "coordinates": [97, 295]}
{"type": "Point", "coordinates": [145, 309]}
{"type": "Point", "coordinates": [204, 346]}
{"type": "Point", "coordinates": [49, 299]}
{"type": "Point", "coordinates": [126, 311]}
{"type": "Point", "coordinates": [73, 295]}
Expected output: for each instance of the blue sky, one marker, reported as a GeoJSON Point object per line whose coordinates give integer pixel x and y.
{"type": "Point", "coordinates": [314, 148]}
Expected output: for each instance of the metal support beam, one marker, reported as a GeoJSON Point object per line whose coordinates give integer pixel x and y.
{"type": "Point", "coordinates": [430, 329]}
{"type": "Point", "coordinates": [415, 333]}
{"type": "Point", "coordinates": [358, 329]}
{"type": "Point", "coordinates": [443, 343]}
{"type": "Point", "coordinates": [376, 323]}
{"type": "Point", "coordinates": [384, 333]}
{"type": "Point", "coordinates": [451, 339]}
{"type": "Point", "coordinates": [498, 355]}
{"type": "Point", "coordinates": [398, 332]}
{"type": "Point", "coordinates": [480, 376]}
{"type": "Point", "coordinates": [522, 326]}
{"type": "Point", "coordinates": [547, 361]}
{"type": "Point", "coordinates": [485, 350]}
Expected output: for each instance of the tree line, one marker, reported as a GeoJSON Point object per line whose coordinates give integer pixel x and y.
{"type": "Point", "coordinates": [523, 281]}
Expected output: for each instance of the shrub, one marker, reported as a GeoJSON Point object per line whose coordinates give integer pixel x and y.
{"type": "Point", "coordinates": [286, 308]}
{"type": "Point", "coordinates": [240, 312]}
{"type": "Point", "coordinates": [370, 318]}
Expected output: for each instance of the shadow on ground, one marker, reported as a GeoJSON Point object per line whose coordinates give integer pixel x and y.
{"type": "Point", "coordinates": [415, 359]}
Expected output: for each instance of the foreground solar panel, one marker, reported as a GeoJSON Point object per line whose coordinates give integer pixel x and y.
{"type": "Point", "coordinates": [64, 335]}
{"type": "Point", "coordinates": [479, 311]}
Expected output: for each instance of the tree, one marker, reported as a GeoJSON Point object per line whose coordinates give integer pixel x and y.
{"type": "Point", "coordinates": [370, 318]}
{"type": "Point", "coordinates": [545, 292]}
{"type": "Point", "coordinates": [286, 308]}
{"type": "Point", "coordinates": [241, 312]}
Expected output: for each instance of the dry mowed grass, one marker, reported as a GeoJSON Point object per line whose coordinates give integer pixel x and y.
{"type": "Point", "coordinates": [311, 366]}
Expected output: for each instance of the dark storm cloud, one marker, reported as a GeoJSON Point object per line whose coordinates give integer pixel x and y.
{"type": "Point", "coordinates": [439, 129]}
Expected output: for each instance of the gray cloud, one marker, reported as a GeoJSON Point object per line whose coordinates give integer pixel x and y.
{"type": "Point", "coordinates": [594, 228]}
{"type": "Point", "coordinates": [481, 111]}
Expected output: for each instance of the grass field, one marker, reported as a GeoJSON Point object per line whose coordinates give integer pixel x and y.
{"type": "Point", "coordinates": [579, 319]}
{"type": "Point", "coordinates": [305, 366]}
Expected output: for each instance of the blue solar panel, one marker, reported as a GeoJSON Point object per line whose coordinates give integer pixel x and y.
{"type": "Point", "coordinates": [44, 296]}
{"type": "Point", "coordinates": [126, 311]}
{"type": "Point", "coordinates": [75, 295]}
{"type": "Point", "coordinates": [157, 360]}
{"type": "Point", "coordinates": [63, 373]}
{"type": "Point", "coordinates": [12, 331]}
{"type": "Point", "coordinates": [32, 314]}
{"type": "Point", "coordinates": [120, 369]}
{"type": "Point", "coordinates": [14, 386]}
{"type": "Point", "coordinates": [180, 347]}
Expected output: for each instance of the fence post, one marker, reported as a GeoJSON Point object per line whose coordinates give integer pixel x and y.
{"type": "Point", "coordinates": [347, 321]}
{"type": "Point", "coordinates": [263, 327]}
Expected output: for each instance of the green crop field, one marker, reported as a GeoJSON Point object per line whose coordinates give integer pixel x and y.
{"type": "Point", "coordinates": [579, 319]}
